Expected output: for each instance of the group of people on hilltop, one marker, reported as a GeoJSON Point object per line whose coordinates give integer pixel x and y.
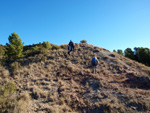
{"type": "Point", "coordinates": [94, 59]}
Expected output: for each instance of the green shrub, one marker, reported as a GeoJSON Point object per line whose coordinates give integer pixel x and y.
{"type": "Point", "coordinates": [43, 58]}
{"type": "Point", "coordinates": [83, 41]}
{"type": "Point", "coordinates": [63, 46]}
{"type": "Point", "coordinates": [11, 101]}
{"type": "Point", "coordinates": [56, 47]}
{"type": "Point", "coordinates": [43, 50]}
{"type": "Point", "coordinates": [114, 51]}
{"type": "Point", "coordinates": [119, 51]}
{"type": "Point", "coordinates": [47, 45]}
{"type": "Point", "coordinates": [32, 51]}
{"type": "Point", "coordinates": [15, 46]}
{"type": "Point", "coordinates": [35, 48]}
{"type": "Point", "coordinates": [2, 52]}
{"type": "Point", "coordinates": [7, 98]}
{"type": "Point", "coordinates": [15, 66]}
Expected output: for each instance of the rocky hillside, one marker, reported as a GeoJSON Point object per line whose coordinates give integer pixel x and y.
{"type": "Point", "coordinates": [56, 82]}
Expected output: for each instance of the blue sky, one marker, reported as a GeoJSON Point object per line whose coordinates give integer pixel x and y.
{"type": "Point", "coordinates": [110, 24]}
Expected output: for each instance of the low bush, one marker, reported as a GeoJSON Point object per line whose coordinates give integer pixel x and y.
{"type": "Point", "coordinates": [55, 47]}
{"type": "Point", "coordinates": [2, 52]}
{"type": "Point", "coordinates": [43, 58]}
{"type": "Point", "coordinates": [4, 72]}
{"type": "Point", "coordinates": [15, 66]}
{"type": "Point", "coordinates": [43, 50]}
{"type": "Point", "coordinates": [7, 98]}
{"type": "Point", "coordinates": [63, 46]}
{"type": "Point", "coordinates": [35, 48]}
{"type": "Point", "coordinates": [11, 101]}
{"type": "Point", "coordinates": [32, 51]}
{"type": "Point", "coordinates": [22, 103]}
{"type": "Point", "coordinates": [47, 45]}
{"type": "Point", "coordinates": [83, 41]}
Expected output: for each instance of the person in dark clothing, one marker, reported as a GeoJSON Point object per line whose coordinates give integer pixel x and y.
{"type": "Point", "coordinates": [94, 63]}
{"type": "Point", "coordinates": [70, 47]}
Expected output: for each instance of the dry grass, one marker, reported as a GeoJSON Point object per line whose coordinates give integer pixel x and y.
{"type": "Point", "coordinates": [10, 101]}
{"type": "Point", "coordinates": [23, 103]}
{"type": "Point", "coordinates": [56, 82]}
{"type": "Point", "coordinates": [3, 72]}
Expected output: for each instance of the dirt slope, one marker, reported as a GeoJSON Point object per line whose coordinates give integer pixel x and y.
{"type": "Point", "coordinates": [65, 83]}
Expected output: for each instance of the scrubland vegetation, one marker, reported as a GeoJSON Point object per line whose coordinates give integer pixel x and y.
{"type": "Point", "coordinates": [43, 78]}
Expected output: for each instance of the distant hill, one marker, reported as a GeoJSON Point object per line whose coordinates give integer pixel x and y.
{"type": "Point", "coordinates": [55, 82]}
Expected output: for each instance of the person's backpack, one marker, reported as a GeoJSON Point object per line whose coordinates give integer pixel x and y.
{"type": "Point", "coordinates": [94, 61]}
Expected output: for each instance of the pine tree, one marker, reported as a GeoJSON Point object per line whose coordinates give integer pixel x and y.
{"type": "Point", "coordinates": [129, 53]}
{"type": "Point", "coordinates": [119, 51]}
{"type": "Point", "coordinates": [15, 46]}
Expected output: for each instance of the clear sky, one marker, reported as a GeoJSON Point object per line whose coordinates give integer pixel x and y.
{"type": "Point", "coordinates": [110, 24]}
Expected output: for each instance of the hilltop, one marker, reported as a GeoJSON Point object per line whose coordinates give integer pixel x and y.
{"type": "Point", "coordinates": [55, 82]}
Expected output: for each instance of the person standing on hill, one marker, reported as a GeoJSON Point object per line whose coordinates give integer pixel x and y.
{"type": "Point", "coordinates": [70, 47]}
{"type": "Point", "coordinates": [94, 63]}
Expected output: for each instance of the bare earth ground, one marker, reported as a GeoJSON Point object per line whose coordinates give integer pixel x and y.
{"type": "Point", "coordinates": [66, 83]}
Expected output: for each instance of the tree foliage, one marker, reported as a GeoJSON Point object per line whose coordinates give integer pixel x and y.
{"type": "Point", "coordinates": [142, 55]}
{"type": "Point", "coordinates": [129, 53]}
{"type": "Point", "coordinates": [139, 54]}
{"type": "Point", "coordinates": [119, 51]}
{"type": "Point", "coordinates": [114, 51]}
{"type": "Point", "coordinates": [15, 46]}
{"type": "Point", "coordinates": [2, 52]}
{"type": "Point", "coordinates": [47, 45]}
{"type": "Point", "coordinates": [83, 41]}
